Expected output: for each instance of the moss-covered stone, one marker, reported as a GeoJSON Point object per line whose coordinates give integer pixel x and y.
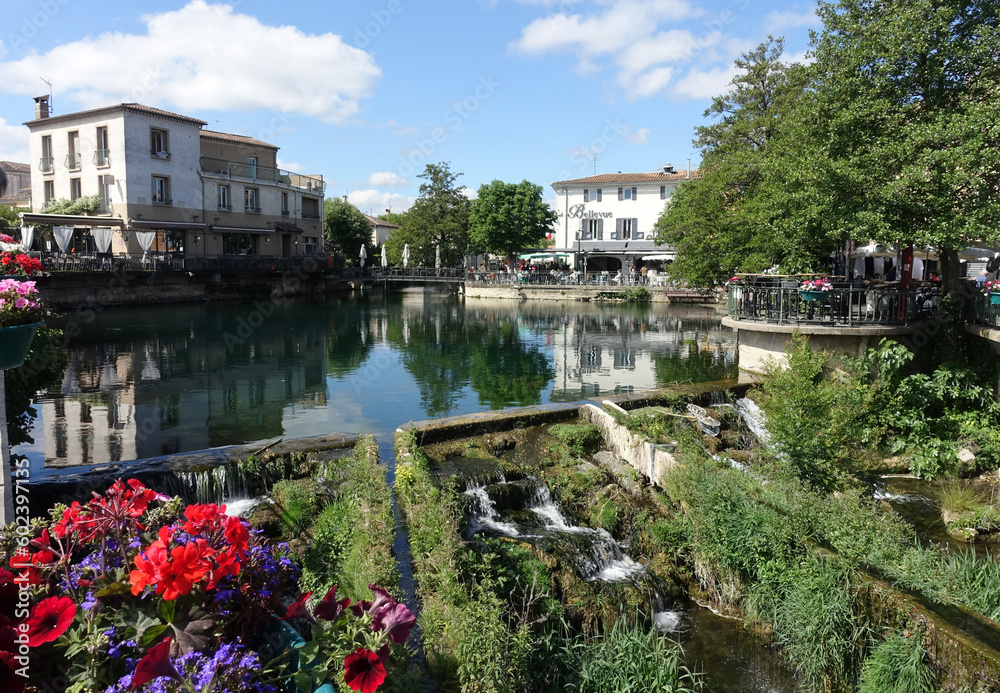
{"type": "Point", "coordinates": [581, 439]}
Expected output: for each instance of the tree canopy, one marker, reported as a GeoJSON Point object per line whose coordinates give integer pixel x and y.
{"type": "Point", "coordinates": [890, 134]}
{"type": "Point", "coordinates": [439, 217]}
{"type": "Point", "coordinates": [345, 227]}
{"type": "Point", "coordinates": [508, 217]}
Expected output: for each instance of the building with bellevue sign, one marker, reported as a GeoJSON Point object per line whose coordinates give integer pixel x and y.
{"type": "Point", "coordinates": [606, 221]}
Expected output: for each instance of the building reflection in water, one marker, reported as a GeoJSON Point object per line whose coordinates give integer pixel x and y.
{"type": "Point", "coordinates": [143, 383]}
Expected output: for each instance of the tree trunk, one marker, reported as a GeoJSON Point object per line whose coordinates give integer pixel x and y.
{"type": "Point", "coordinates": [951, 272]}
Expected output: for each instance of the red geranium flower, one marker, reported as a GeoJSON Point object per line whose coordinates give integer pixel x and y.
{"type": "Point", "coordinates": [49, 619]}
{"type": "Point", "coordinates": [155, 664]}
{"type": "Point", "coordinates": [363, 671]}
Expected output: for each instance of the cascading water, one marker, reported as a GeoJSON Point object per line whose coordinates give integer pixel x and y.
{"type": "Point", "coordinates": [754, 418]}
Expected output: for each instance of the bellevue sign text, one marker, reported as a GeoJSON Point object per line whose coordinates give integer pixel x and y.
{"type": "Point", "coordinates": [580, 212]}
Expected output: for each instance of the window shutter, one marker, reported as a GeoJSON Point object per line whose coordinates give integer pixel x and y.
{"type": "Point", "coordinates": [618, 229]}
{"type": "Point", "coordinates": [600, 229]}
{"type": "Point", "coordinates": [636, 234]}
{"type": "Point", "coordinates": [635, 193]}
{"type": "Point", "coordinates": [586, 195]}
{"type": "Point", "coordinates": [598, 194]}
{"type": "Point", "coordinates": [621, 194]}
{"type": "Point", "coordinates": [663, 192]}
{"type": "Point", "coordinates": [583, 230]}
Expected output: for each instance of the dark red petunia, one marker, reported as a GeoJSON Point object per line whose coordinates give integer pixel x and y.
{"type": "Point", "coordinates": [298, 609]}
{"type": "Point", "coordinates": [10, 680]}
{"type": "Point", "coordinates": [363, 671]}
{"type": "Point", "coordinates": [329, 609]}
{"type": "Point", "coordinates": [382, 599]}
{"type": "Point", "coordinates": [155, 664]}
{"type": "Point", "coordinates": [49, 619]}
{"type": "Point", "coordinates": [361, 608]}
{"type": "Point", "coordinates": [395, 620]}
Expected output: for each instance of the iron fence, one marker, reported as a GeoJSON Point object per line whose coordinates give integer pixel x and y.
{"type": "Point", "coordinates": [851, 305]}
{"type": "Point", "coordinates": [984, 311]}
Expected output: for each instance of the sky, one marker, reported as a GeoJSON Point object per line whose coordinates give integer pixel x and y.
{"type": "Point", "coordinates": [367, 93]}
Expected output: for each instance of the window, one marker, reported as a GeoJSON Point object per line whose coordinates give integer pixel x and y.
{"type": "Point", "coordinates": [253, 167]}
{"type": "Point", "coordinates": [592, 230]}
{"type": "Point", "coordinates": [284, 204]}
{"type": "Point", "coordinates": [104, 184]}
{"type": "Point", "coordinates": [628, 193]}
{"type": "Point", "coordinates": [224, 198]}
{"type": "Point", "coordinates": [586, 195]}
{"type": "Point", "coordinates": [627, 230]}
{"type": "Point", "coordinates": [251, 201]}
{"type": "Point", "coordinates": [663, 192]}
{"type": "Point", "coordinates": [598, 194]}
{"type": "Point", "coordinates": [45, 163]}
{"type": "Point", "coordinates": [50, 191]}
{"type": "Point", "coordinates": [75, 189]}
{"type": "Point", "coordinates": [102, 153]}
{"type": "Point", "coordinates": [73, 151]}
{"type": "Point", "coordinates": [159, 143]}
{"type": "Point", "coordinates": [161, 190]}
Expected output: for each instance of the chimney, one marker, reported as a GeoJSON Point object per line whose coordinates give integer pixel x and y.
{"type": "Point", "coordinates": [41, 107]}
{"type": "Point", "coordinates": [345, 198]}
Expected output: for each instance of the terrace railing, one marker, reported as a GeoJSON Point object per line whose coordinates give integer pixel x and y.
{"type": "Point", "coordinates": [844, 306]}
{"type": "Point", "coordinates": [985, 312]}
{"type": "Point", "coordinates": [255, 172]}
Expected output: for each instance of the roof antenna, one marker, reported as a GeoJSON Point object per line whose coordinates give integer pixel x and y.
{"type": "Point", "coordinates": [50, 94]}
{"type": "Point", "coordinates": [595, 164]}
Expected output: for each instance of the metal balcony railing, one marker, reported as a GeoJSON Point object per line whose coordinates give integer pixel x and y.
{"type": "Point", "coordinates": [310, 215]}
{"type": "Point", "coordinates": [844, 306]}
{"type": "Point", "coordinates": [251, 209]}
{"type": "Point", "coordinates": [73, 161]}
{"type": "Point", "coordinates": [45, 164]}
{"type": "Point", "coordinates": [984, 311]}
{"type": "Point", "coordinates": [256, 172]}
{"type": "Point", "coordinates": [102, 157]}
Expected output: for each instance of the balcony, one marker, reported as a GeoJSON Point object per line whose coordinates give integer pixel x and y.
{"type": "Point", "coordinates": [104, 205]}
{"type": "Point", "coordinates": [45, 164]}
{"type": "Point", "coordinates": [237, 169]}
{"type": "Point", "coordinates": [102, 157]}
{"type": "Point", "coordinates": [251, 210]}
{"type": "Point", "coordinates": [781, 303]}
{"type": "Point", "coordinates": [225, 208]}
{"type": "Point", "coordinates": [162, 201]}
{"type": "Point", "coordinates": [310, 215]}
{"type": "Point", "coordinates": [73, 161]}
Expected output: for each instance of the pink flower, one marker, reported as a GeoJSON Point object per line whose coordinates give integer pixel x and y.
{"type": "Point", "coordinates": [395, 620]}
{"type": "Point", "coordinates": [20, 303]}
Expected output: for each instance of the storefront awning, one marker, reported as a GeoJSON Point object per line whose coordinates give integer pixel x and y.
{"type": "Point", "coordinates": [69, 220]}
{"type": "Point", "coordinates": [165, 225]}
{"type": "Point", "coordinates": [542, 256]}
{"type": "Point", "coordinates": [286, 227]}
{"type": "Point", "coordinates": [661, 256]}
{"type": "Point", "coordinates": [241, 229]}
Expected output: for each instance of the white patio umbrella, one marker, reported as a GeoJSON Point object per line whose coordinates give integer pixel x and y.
{"type": "Point", "coordinates": [363, 255]}
{"type": "Point", "coordinates": [27, 236]}
{"type": "Point", "coordinates": [385, 257]}
{"type": "Point", "coordinates": [437, 257]}
{"type": "Point", "coordinates": [406, 254]}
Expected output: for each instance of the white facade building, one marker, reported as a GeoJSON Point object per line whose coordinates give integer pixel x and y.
{"type": "Point", "coordinates": [607, 220]}
{"type": "Point", "coordinates": [201, 193]}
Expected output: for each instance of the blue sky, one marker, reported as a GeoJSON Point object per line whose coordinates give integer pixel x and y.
{"type": "Point", "coordinates": [367, 93]}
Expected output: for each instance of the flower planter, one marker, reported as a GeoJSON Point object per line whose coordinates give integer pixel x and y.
{"type": "Point", "coordinates": [995, 298]}
{"type": "Point", "coordinates": [814, 295]}
{"type": "Point", "coordinates": [14, 344]}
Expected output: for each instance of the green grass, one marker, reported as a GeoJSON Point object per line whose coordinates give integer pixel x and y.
{"type": "Point", "coordinates": [898, 665]}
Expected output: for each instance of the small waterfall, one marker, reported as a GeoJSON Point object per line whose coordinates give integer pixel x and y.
{"type": "Point", "coordinates": [593, 552]}
{"type": "Point", "coordinates": [754, 419]}
{"type": "Point", "coordinates": [220, 484]}
{"type": "Point", "coordinates": [716, 397]}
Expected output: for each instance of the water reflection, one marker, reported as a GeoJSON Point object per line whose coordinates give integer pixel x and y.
{"type": "Point", "coordinates": [154, 381]}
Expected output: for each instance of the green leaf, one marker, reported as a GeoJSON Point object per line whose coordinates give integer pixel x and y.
{"type": "Point", "coordinates": [167, 609]}
{"type": "Point", "coordinates": [151, 635]}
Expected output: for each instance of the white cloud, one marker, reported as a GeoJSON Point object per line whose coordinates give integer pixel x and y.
{"type": "Point", "coordinates": [704, 84]}
{"type": "Point", "coordinates": [804, 57]}
{"type": "Point", "coordinates": [469, 193]}
{"type": "Point", "coordinates": [640, 136]}
{"type": "Point", "coordinates": [13, 142]}
{"type": "Point", "coordinates": [405, 131]}
{"type": "Point", "coordinates": [206, 57]}
{"type": "Point", "coordinates": [289, 166]}
{"type": "Point", "coordinates": [375, 202]}
{"type": "Point", "coordinates": [777, 22]}
{"type": "Point", "coordinates": [387, 179]}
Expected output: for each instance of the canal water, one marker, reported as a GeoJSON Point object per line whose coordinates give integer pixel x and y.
{"type": "Point", "coordinates": [144, 382]}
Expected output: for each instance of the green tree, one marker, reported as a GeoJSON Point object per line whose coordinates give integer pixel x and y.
{"type": "Point", "coordinates": [508, 217]}
{"type": "Point", "coordinates": [726, 221]}
{"type": "Point", "coordinates": [345, 227]}
{"type": "Point", "coordinates": [9, 218]}
{"type": "Point", "coordinates": [904, 96]}
{"type": "Point", "coordinates": [439, 218]}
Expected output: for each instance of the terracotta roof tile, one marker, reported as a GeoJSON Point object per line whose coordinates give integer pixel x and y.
{"type": "Point", "coordinates": [131, 107]}
{"type": "Point", "coordinates": [631, 178]}
{"type": "Point", "coordinates": [375, 221]}
{"type": "Point", "coordinates": [235, 139]}
{"type": "Point", "coordinates": [15, 167]}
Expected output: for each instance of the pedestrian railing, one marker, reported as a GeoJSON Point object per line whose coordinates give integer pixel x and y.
{"type": "Point", "coordinates": [845, 306]}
